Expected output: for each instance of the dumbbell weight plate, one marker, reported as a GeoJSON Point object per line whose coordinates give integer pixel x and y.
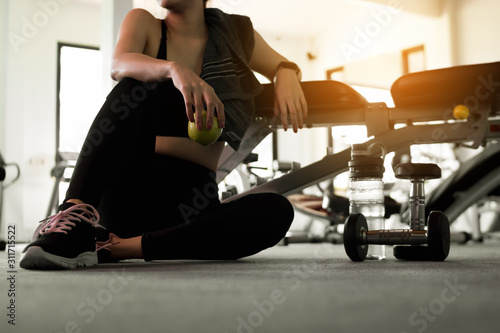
{"type": "Point", "coordinates": [414, 253]}
{"type": "Point", "coordinates": [417, 171]}
{"type": "Point", "coordinates": [438, 233]}
{"type": "Point", "coordinates": [353, 227]}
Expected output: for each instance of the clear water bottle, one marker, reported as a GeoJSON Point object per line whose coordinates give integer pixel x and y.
{"type": "Point", "coordinates": [366, 191]}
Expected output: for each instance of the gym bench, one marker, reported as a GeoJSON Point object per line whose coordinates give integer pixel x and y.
{"type": "Point", "coordinates": [423, 114]}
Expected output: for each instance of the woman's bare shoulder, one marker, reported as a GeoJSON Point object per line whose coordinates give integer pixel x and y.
{"type": "Point", "coordinates": [140, 14]}
{"type": "Point", "coordinates": [139, 33]}
{"type": "Point", "coordinates": [142, 25]}
{"type": "Point", "coordinates": [141, 17]}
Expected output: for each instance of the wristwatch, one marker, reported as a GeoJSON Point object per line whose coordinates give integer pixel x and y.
{"type": "Point", "coordinates": [289, 65]}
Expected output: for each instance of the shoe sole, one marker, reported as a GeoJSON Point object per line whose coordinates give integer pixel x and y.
{"type": "Point", "coordinates": [36, 258]}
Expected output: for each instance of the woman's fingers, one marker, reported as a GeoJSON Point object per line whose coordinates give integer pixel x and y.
{"type": "Point", "coordinates": [198, 107]}
{"type": "Point", "coordinates": [198, 96]}
{"type": "Point", "coordinates": [203, 98]}
{"type": "Point", "coordinates": [279, 110]}
{"type": "Point", "coordinates": [295, 109]}
{"type": "Point", "coordinates": [290, 101]}
{"type": "Point", "coordinates": [188, 100]}
{"type": "Point", "coordinates": [212, 105]}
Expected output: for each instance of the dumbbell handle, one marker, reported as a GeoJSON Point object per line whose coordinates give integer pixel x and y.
{"type": "Point", "coordinates": [393, 237]}
{"type": "Point", "coordinates": [417, 204]}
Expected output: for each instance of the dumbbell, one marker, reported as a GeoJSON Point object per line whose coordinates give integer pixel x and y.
{"type": "Point", "coordinates": [415, 243]}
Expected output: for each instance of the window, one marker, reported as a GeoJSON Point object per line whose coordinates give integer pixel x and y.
{"type": "Point", "coordinates": [79, 94]}
{"type": "Point", "coordinates": [336, 74]}
{"type": "Point", "coordinates": [79, 98]}
{"type": "Point", "coordinates": [414, 59]}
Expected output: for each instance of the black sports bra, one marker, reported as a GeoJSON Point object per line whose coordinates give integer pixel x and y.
{"type": "Point", "coordinates": [162, 52]}
{"type": "Point", "coordinates": [170, 110]}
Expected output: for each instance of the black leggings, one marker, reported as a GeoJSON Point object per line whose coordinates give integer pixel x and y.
{"type": "Point", "coordinates": [172, 203]}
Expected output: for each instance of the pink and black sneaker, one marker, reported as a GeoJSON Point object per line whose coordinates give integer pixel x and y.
{"type": "Point", "coordinates": [66, 240]}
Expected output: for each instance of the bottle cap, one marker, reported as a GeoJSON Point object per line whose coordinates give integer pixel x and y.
{"type": "Point", "coordinates": [366, 166]}
{"type": "Point", "coordinates": [363, 164]}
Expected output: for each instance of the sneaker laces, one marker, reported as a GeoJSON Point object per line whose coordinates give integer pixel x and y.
{"type": "Point", "coordinates": [106, 244]}
{"type": "Point", "coordinates": [65, 220]}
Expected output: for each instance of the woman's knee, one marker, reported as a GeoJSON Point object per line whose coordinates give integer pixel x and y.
{"type": "Point", "coordinates": [275, 210]}
{"type": "Point", "coordinates": [282, 206]}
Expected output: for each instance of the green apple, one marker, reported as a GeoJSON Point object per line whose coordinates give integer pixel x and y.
{"type": "Point", "coordinates": [204, 136]}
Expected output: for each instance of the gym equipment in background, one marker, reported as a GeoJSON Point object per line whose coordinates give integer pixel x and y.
{"type": "Point", "coordinates": [3, 186]}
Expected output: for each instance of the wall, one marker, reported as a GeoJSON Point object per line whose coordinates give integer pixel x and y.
{"type": "Point", "coordinates": [477, 26]}
{"type": "Point", "coordinates": [34, 28]}
{"type": "Point", "coordinates": [3, 68]}
{"type": "Point", "coordinates": [464, 32]}
{"type": "Point", "coordinates": [374, 31]}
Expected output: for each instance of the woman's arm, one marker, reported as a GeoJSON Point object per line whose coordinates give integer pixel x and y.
{"type": "Point", "coordinates": [131, 59]}
{"type": "Point", "coordinates": [289, 96]}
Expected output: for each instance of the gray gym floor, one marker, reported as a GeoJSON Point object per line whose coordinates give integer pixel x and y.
{"type": "Point", "coordinates": [295, 288]}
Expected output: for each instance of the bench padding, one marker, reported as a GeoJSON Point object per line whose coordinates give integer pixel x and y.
{"type": "Point", "coordinates": [448, 86]}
